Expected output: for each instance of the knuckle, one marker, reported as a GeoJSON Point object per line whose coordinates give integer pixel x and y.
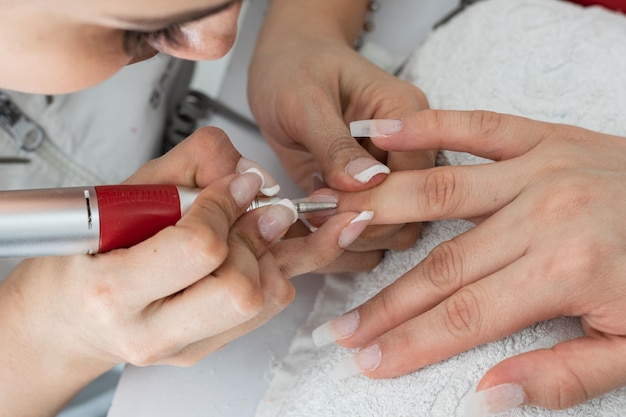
{"type": "Point", "coordinates": [140, 358]}
{"type": "Point", "coordinates": [212, 133]}
{"type": "Point", "coordinates": [102, 303]}
{"type": "Point", "coordinates": [570, 392]}
{"type": "Point", "coordinates": [319, 255]}
{"type": "Point", "coordinates": [284, 295]}
{"type": "Point", "coordinates": [462, 317]}
{"type": "Point", "coordinates": [343, 150]}
{"type": "Point", "coordinates": [484, 123]}
{"type": "Point", "coordinates": [209, 140]}
{"type": "Point", "coordinates": [566, 197]}
{"type": "Point", "coordinates": [246, 297]}
{"type": "Point", "coordinates": [141, 353]}
{"type": "Point", "coordinates": [439, 194]}
{"type": "Point", "coordinates": [579, 256]}
{"type": "Point", "coordinates": [443, 267]}
{"type": "Point", "coordinates": [569, 388]}
{"type": "Point", "coordinates": [385, 305]}
{"type": "Point", "coordinates": [202, 246]}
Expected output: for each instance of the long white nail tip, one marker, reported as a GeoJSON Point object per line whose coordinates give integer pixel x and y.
{"type": "Point", "coordinates": [270, 191]}
{"type": "Point", "coordinates": [375, 128]}
{"type": "Point", "coordinates": [364, 169]}
{"type": "Point", "coordinates": [255, 171]}
{"type": "Point", "coordinates": [363, 216]}
{"type": "Point", "coordinates": [365, 360]}
{"type": "Point", "coordinates": [275, 221]}
{"type": "Point", "coordinates": [492, 401]}
{"type": "Point", "coordinates": [354, 229]}
{"type": "Point", "coordinates": [247, 165]}
{"type": "Point", "coordinates": [366, 175]}
{"type": "Point", "coordinates": [345, 369]}
{"type": "Point", "coordinates": [336, 329]}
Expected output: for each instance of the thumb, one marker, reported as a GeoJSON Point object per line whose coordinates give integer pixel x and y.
{"type": "Point", "coordinates": [344, 163]}
{"type": "Point", "coordinates": [568, 374]}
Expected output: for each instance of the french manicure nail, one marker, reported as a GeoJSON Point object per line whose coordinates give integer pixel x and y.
{"type": "Point", "coordinates": [364, 169]}
{"type": "Point", "coordinates": [492, 401]}
{"type": "Point", "coordinates": [366, 359]}
{"type": "Point", "coordinates": [354, 229]}
{"type": "Point", "coordinates": [269, 187]}
{"type": "Point", "coordinates": [277, 219]}
{"type": "Point", "coordinates": [336, 329]}
{"type": "Point", "coordinates": [375, 128]}
{"type": "Point", "coordinates": [245, 186]}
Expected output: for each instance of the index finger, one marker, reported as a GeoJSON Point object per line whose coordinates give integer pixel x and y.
{"type": "Point", "coordinates": [183, 254]}
{"type": "Point", "coordinates": [483, 133]}
{"type": "Point", "coordinates": [186, 164]}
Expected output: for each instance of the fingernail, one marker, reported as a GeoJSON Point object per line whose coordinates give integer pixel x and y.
{"type": "Point", "coordinates": [492, 401]}
{"type": "Point", "coordinates": [375, 128]}
{"type": "Point", "coordinates": [269, 187]}
{"type": "Point", "coordinates": [322, 198]}
{"type": "Point", "coordinates": [366, 359]}
{"type": "Point", "coordinates": [364, 169]}
{"type": "Point", "coordinates": [336, 329]}
{"type": "Point", "coordinates": [277, 219]}
{"type": "Point", "coordinates": [354, 229]}
{"type": "Point", "coordinates": [317, 182]}
{"type": "Point", "coordinates": [245, 186]}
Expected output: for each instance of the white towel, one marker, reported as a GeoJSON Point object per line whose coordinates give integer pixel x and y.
{"type": "Point", "coordinates": [544, 59]}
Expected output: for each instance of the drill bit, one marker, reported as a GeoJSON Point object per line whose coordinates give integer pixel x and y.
{"type": "Point", "coordinates": [303, 205]}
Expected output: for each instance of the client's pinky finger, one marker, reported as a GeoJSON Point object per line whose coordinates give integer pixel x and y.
{"type": "Point", "coordinates": [568, 374]}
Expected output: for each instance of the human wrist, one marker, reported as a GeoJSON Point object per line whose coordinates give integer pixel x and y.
{"type": "Point", "coordinates": [338, 19]}
{"type": "Point", "coordinates": [37, 352]}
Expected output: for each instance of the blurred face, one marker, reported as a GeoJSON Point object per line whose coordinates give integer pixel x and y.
{"type": "Point", "coordinates": [59, 46]}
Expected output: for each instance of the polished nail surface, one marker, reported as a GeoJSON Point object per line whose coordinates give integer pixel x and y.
{"type": "Point", "coordinates": [492, 401]}
{"type": "Point", "coordinates": [269, 187]}
{"type": "Point", "coordinates": [277, 219]}
{"type": "Point", "coordinates": [245, 186]}
{"type": "Point", "coordinates": [366, 359]}
{"type": "Point", "coordinates": [375, 128]}
{"type": "Point", "coordinates": [354, 229]}
{"type": "Point", "coordinates": [336, 329]}
{"type": "Point", "coordinates": [364, 169]}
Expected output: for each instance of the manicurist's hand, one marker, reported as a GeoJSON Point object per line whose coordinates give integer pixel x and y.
{"type": "Point", "coordinates": [171, 299]}
{"type": "Point", "coordinates": [306, 83]}
{"type": "Point", "coordinates": [550, 241]}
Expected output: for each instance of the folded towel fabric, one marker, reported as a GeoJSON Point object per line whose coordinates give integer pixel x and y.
{"type": "Point", "coordinates": [543, 59]}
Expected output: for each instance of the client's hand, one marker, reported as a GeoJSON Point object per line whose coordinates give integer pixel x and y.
{"type": "Point", "coordinates": [171, 299]}
{"type": "Point", "coordinates": [304, 89]}
{"type": "Point", "coordinates": [550, 241]}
